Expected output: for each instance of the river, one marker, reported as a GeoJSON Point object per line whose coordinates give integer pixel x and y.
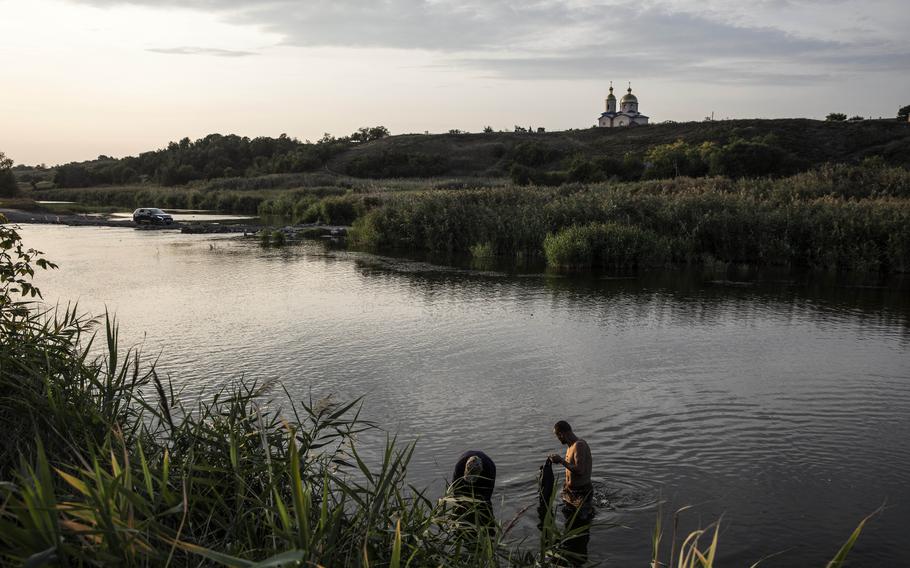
{"type": "Point", "coordinates": [781, 408]}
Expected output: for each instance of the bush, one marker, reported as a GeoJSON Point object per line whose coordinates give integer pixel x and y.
{"type": "Point", "coordinates": [391, 162]}
{"type": "Point", "coordinates": [8, 185]}
{"type": "Point", "coordinates": [582, 170]}
{"type": "Point", "coordinates": [677, 159]}
{"type": "Point", "coordinates": [747, 158]}
{"type": "Point", "coordinates": [534, 154]}
{"type": "Point", "coordinates": [604, 245]}
{"type": "Point", "coordinates": [338, 210]}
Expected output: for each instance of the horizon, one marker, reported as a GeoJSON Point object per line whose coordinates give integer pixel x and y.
{"type": "Point", "coordinates": [117, 78]}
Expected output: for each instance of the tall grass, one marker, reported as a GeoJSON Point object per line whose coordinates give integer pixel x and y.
{"type": "Point", "coordinates": [107, 465]}
{"type": "Point", "coordinates": [836, 217]}
{"type": "Point", "coordinates": [839, 217]}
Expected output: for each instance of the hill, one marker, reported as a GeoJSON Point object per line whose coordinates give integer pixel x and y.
{"type": "Point", "coordinates": [781, 146]}
{"type": "Point", "coordinates": [811, 142]}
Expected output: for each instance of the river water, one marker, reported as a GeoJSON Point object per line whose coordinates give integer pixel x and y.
{"type": "Point", "coordinates": [781, 408]}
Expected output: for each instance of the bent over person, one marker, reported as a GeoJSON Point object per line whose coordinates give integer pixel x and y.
{"type": "Point", "coordinates": [474, 479]}
{"type": "Point", "coordinates": [474, 476]}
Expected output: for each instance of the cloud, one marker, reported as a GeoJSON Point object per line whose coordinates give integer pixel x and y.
{"type": "Point", "coordinates": [714, 40]}
{"type": "Point", "coordinates": [187, 50]}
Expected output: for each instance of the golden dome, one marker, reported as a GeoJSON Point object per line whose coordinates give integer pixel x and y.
{"type": "Point", "coordinates": [629, 97]}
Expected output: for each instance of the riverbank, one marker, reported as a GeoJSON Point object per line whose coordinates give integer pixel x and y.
{"type": "Point", "coordinates": [844, 218]}
{"type": "Point", "coordinates": [304, 230]}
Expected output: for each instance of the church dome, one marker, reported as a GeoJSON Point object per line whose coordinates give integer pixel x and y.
{"type": "Point", "coordinates": [629, 97]}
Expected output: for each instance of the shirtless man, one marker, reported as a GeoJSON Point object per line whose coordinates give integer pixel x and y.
{"type": "Point", "coordinates": [577, 494]}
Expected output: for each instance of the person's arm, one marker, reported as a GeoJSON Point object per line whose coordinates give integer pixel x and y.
{"type": "Point", "coordinates": [569, 463]}
{"type": "Point", "coordinates": [573, 461]}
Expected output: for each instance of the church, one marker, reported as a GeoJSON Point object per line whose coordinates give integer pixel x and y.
{"type": "Point", "coordinates": [628, 114]}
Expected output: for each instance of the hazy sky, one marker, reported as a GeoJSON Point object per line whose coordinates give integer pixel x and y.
{"type": "Point", "coordinates": [79, 78]}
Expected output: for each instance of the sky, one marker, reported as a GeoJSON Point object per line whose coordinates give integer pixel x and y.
{"type": "Point", "coordinates": [80, 78]}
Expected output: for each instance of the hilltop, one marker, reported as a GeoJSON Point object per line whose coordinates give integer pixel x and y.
{"type": "Point", "coordinates": [779, 147]}
{"type": "Point", "coordinates": [491, 154]}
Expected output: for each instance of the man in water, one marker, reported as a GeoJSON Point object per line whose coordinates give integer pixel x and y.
{"type": "Point", "coordinates": [474, 479]}
{"type": "Point", "coordinates": [578, 492]}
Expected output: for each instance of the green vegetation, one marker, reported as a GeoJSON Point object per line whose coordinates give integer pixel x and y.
{"type": "Point", "coordinates": [372, 153]}
{"type": "Point", "coordinates": [215, 156]}
{"type": "Point", "coordinates": [605, 245]}
{"type": "Point", "coordinates": [829, 195]}
{"type": "Point", "coordinates": [9, 187]}
{"type": "Point", "coordinates": [838, 217]}
{"type": "Point", "coordinates": [836, 117]}
{"type": "Point", "coordinates": [903, 113]}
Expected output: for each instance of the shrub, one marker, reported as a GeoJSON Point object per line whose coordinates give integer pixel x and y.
{"type": "Point", "coordinates": [747, 158]}
{"type": "Point", "coordinates": [391, 162]}
{"type": "Point", "coordinates": [676, 159]}
{"type": "Point", "coordinates": [583, 170]}
{"type": "Point", "coordinates": [338, 210]}
{"type": "Point", "coordinates": [9, 187]}
{"type": "Point", "coordinates": [482, 250]}
{"type": "Point", "coordinates": [534, 154]}
{"type": "Point", "coordinates": [604, 245]}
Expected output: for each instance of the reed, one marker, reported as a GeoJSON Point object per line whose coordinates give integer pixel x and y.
{"type": "Point", "coordinates": [837, 218]}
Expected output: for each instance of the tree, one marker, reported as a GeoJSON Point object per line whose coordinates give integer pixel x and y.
{"type": "Point", "coordinates": [8, 185]}
{"type": "Point", "coordinates": [17, 267]}
{"type": "Point", "coordinates": [747, 158]}
{"type": "Point", "coordinates": [836, 117]}
{"type": "Point", "coordinates": [855, 117]}
{"type": "Point", "coordinates": [487, 129]}
{"type": "Point", "coordinates": [368, 134]}
{"type": "Point", "coordinates": [904, 113]}
{"type": "Point", "coordinates": [676, 159]}
{"type": "Point", "coordinates": [378, 132]}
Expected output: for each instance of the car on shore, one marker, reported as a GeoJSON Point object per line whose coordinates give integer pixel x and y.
{"type": "Point", "coordinates": [151, 215]}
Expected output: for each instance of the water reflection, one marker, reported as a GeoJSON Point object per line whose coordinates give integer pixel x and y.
{"type": "Point", "coordinates": [782, 405]}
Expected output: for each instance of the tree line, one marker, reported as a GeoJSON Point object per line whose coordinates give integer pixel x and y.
{"type": "Point", "coordinates": [214, 156]}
